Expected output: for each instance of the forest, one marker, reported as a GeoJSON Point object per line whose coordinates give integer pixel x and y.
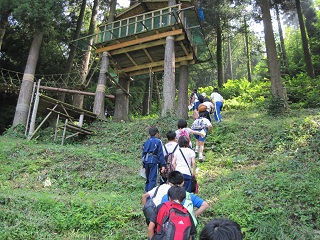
{"type": "Point", "coordinates": [261, 165]}
{"type": "Point", "coordinates": [273, 43]}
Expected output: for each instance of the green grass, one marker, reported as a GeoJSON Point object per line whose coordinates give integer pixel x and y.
{"type": "Point", "coordinates": [260, 171]}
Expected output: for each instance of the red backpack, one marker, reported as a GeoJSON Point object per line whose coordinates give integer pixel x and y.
{"type": "Point", "coordinates": [173, 222]}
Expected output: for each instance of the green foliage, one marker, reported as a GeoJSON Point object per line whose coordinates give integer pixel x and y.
{"type": "Point", "coordinates": [260, 171]}
{"type": "Point", "coordinates": [303, 92]}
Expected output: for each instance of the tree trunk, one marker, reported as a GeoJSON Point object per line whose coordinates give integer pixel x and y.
{"type": "Point", "coordinates": [229, 74]}
{"type": "Point", "coordinates": [305, 44]}
{"type": "Point", "coordinates": [277, 89]}
{"type": "Point", "coordinates": [84, 69]}
{"type": "Point", "coordinates": [248, 50]}
{"type": "Point", "coordinates": [183, 91]}
{"type": "Point", "coordinates": [72, 48]}
{"type": "Point", "coordinates": [122, 101]}
{"type": "Point", "coordinates": [169, 86]}
{"type": "Point", "coordinates": [25, 93]}
{"type": "Point", "coordinates": [219, 53]}
{"type": "Point", "coordinates": [98, 106]}
{"type": "Point", "coordinates": [147, 96]}
{"type": "Point", "coordinates": [3, 25]}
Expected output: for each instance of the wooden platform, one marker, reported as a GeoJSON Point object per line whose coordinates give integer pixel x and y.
{"type": "Point", "coordinates": [68, 117]}
{"type": "Point", "coordinates": [137, 44]}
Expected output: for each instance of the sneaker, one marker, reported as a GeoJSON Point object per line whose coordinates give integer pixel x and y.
{"type": "Point", "coordinates": [200, 159]}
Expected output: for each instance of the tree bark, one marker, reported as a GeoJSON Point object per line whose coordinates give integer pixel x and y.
{"type": "Point", "coordinates": [283, 48]}
{"type": "Point", "coordinates": [248, 51]}
{"type": "Point", "coordinates": [122, 101]}
{"type": "Point", "coordinates": [25, 93]}
{"type": "Point", "coordinates": [277, 89]}
{"type": "Point", "coordinates": [3, 25]}
{"type": "Point", "coordinates": [169, 87]}
{"type": "Point", "coordinates": [219, 53]}
{"type": "Point", "coordinates": [147, 96]}
{"type": "Point", "coordinates": [98, 106]}
{"type": "Point", "coordinates": [72, 48]}
{"type": "Point", "coordinates": [183, 91]}
{"type": "Point", "coordinates": [305, 44]}
{"type": "Point", "coordinates": [84, 69]}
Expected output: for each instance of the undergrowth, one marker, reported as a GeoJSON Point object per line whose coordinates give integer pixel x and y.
{"type": "Point", "coordinates": [259, 170]}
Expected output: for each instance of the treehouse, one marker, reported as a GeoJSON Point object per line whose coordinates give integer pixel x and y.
{"type": "Point", "coordinates": [135, 41]}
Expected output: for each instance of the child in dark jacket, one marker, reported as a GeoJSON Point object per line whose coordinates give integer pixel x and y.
{"type": "Point", "coordinates": [152, 157]}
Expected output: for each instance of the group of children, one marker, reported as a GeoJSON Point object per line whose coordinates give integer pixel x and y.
{"type": "Point", "coordinates": [173, 198]}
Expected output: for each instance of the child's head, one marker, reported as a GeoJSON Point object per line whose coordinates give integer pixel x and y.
{"type": "Point", "coordinates": [183, 141]}
{"type": "Point", "coordinates": [202, 114]}
{"type": "Point", "coordinates": [153, 131]}
{"type": "Point", "coordinates": [182, 123]}
{"type": "Point", "coordinates": [221, 229]}
{"type": "Point", "coordinates": [175, 178]}
{"type": "Point", "coordinates": [177, 193]}
{"type": "Point", "coordinates": [171, 135]}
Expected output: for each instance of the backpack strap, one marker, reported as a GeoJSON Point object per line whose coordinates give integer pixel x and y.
{"type": "Point", "coordinates": [185, 161]}
{"type": "Point", "coordinates": [165, 150]}
{"type": "Point", "coordinates": [155, 193]}
{"type": "Point", "coordinates": [175, 148]}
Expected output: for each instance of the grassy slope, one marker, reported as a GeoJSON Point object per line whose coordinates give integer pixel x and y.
{"type": "Point", "coordinates": [260, 171]}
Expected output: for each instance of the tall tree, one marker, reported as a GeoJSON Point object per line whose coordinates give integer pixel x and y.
{"type": "Point", "coordinates": [37, 16]}
{"type": "Point", "coordinates": [305, 43]}
{"type": "Point", "coordinates": [169, 87]}
{"type": "Point", "coordinates": [277, 89]}
{"type": "Point", "coordinates": [84, 68]}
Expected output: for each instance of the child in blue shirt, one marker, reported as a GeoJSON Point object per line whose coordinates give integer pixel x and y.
{"type": "Point", "coordinates": [152, 156]}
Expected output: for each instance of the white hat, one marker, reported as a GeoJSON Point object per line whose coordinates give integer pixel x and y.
{"type": "Point", "coordinates": [204, 94]}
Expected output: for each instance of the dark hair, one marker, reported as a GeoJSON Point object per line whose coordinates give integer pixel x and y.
{"type": "Point", "coordinates": [183, 141]}
{"type": "Point", "coordinates": [195, 90]}
{"type": "Point", "coordinates": [221, 229]}
{"type": "Point", "coordinates": [153, 131]}
{"type": "Point", "coordinates": [215, 89]}
{"type": "Point", "coordinates": [202, 114]}
{"type": "Point", "coordinates": [177, 193]}
{"type": "Point", "coordinates": [171, 135]}
{"type": "Point", "coordinates": [175, 178]}
{"type": "Point", "coordinates": [182, 123]}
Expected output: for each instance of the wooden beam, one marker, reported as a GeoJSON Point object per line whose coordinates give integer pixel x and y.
{"type": "Point", "coordinates": [131, 59]}
{"type": "Point", "coordinates": [72, 91]}
{"type": "Point", "coordinates": [144, 45]}
{"type": "Point", "coordinates": [155, 64]}
{"type": "Point", "coordinates": [155, 69]}
{"type": "Point", "coordinates": [140, 40]}
{"type": "Point", "coordinates": [149, 56]}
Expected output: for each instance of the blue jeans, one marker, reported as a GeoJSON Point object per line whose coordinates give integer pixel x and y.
{"type": "Point", "coordinates": [152, 175]}
{"type": "Point", "coordinates": [217, 110]}
{"type": "Point", "coordinates": [187, 182]}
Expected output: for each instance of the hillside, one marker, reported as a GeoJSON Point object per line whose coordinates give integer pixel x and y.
{"type": "Point", "coordinates": [260, 171]}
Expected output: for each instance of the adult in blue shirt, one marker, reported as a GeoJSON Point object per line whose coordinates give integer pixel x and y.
{"type": "Point", "coordinates": [152, 157]}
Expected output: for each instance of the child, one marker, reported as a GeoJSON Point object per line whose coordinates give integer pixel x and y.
{"type": "Point", "coordinates": [222, 229]}
{"type": "Point", "coordinates": [201, 124]}
{"type": "Point", "coordinates": [168, 149]}
{"type": "Point", "coordinates": [152, 156]}
{"type": "Point", "coordinates": [184, 161]}
{"type": "Point", "coordinates": [172, 220]}
{"type": "Point", "coordinates": [184, 130]}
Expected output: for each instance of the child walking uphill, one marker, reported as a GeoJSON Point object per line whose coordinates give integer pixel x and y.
{"type": "Point", "coordinates": [183, 130]}
{"type": "Point", "coordinates": [172, 221]}
{"type": "Point", "coordinates": [201, 124]}
{"type": "Point", "coordinates": [152, 156]}
{"type": "Point", "coordinates": [184, 161]}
